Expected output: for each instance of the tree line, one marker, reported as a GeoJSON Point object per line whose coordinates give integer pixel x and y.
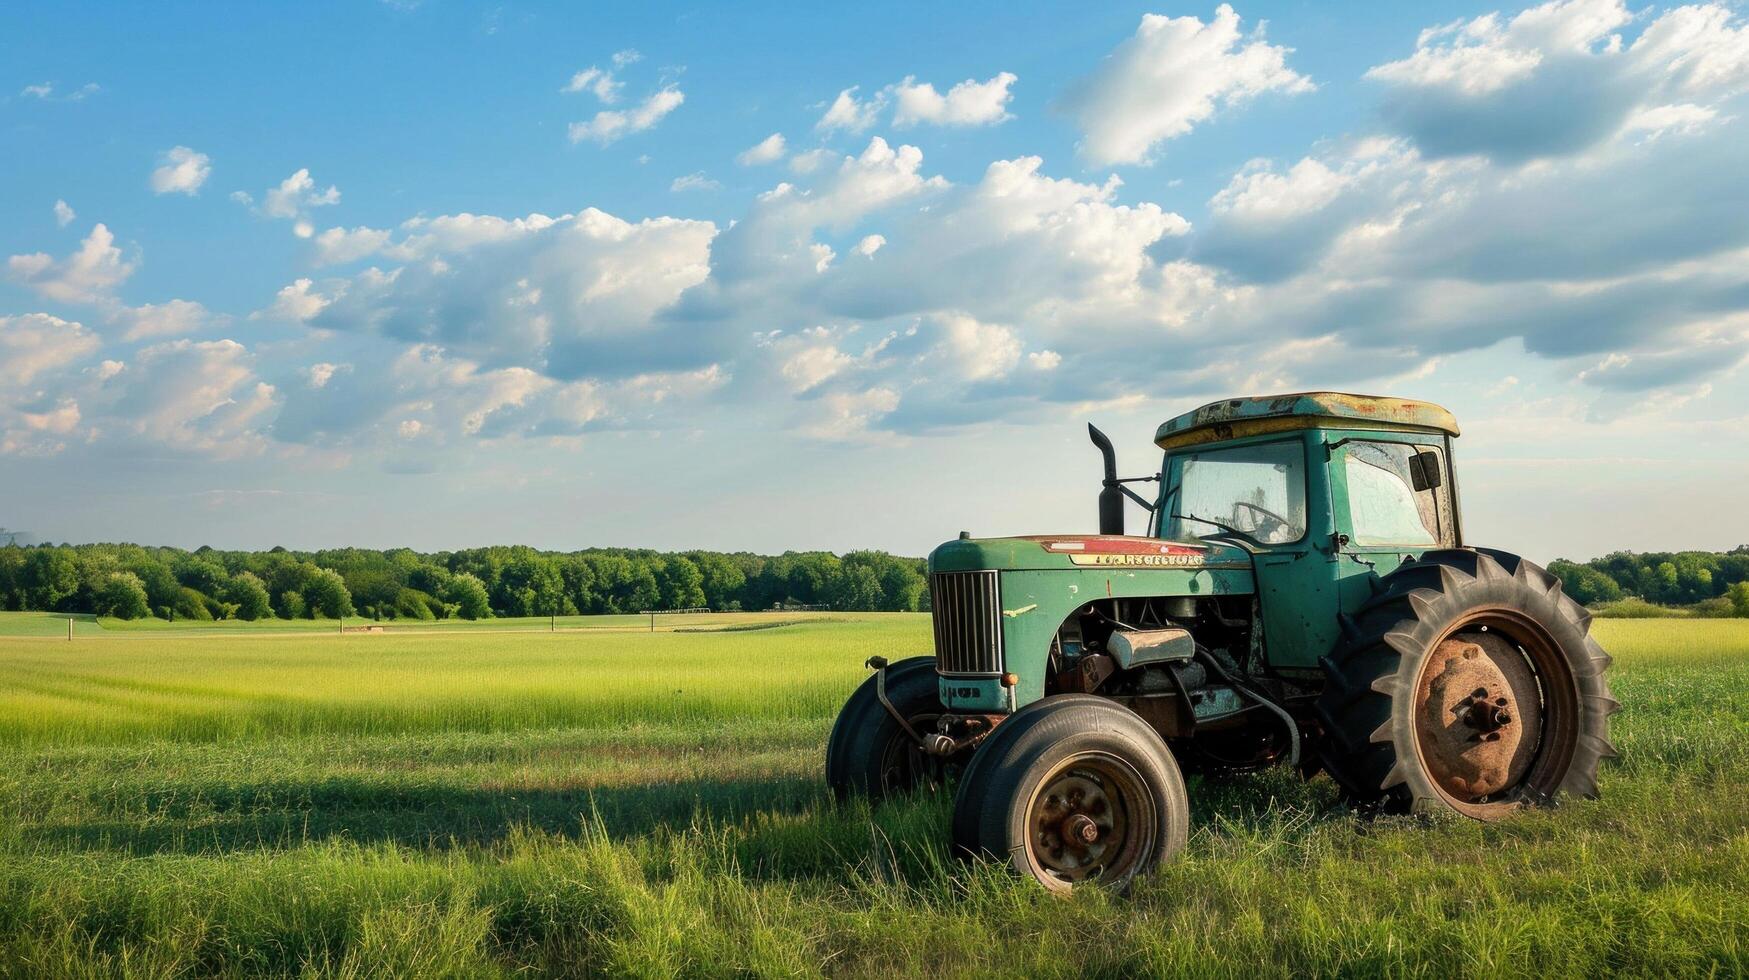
{"type": "Point", "coordinates": [134, 582]}
{"type": "Point", "coordinates": [1718, 581]}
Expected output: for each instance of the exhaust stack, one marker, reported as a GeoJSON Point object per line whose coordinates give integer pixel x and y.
{"type": "Point", "coordinates": [1111, 497]}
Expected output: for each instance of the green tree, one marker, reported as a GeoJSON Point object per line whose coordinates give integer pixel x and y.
{"type": "Point", "coordinates": [250, 595]}
{"type": "Point", "coordinates": [325, 591]}
{"type": "Point", "coordinates": [49, 578]}
{"type": "Point", "coordinates": [682, 584]}
{"type": "Point", "coordinates": [855, 587]}
{"type": "Point", "coordinates": [469, 595]}
{"type": "Point", "coordinates": [123, 596]}
{"type": "Point", "coordinates": [1739, 596]}
{"type": "Point", "coordinates": [292, 605]}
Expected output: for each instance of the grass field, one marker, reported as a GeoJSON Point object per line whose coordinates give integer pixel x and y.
{"type": "Point", "coordinates": [478, 804]}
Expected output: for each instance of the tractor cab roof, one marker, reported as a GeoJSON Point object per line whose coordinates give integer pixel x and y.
{"type": "Point", "coordinates": [1234, 418]}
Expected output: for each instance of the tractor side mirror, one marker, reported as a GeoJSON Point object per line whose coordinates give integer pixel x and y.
{"type": "Point", "coordinates": [1424, 471]}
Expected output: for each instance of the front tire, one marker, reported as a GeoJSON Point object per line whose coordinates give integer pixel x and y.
{"type": "Point", "coordinates": [1073, 790]}
{"type": "Point", "coordinates": [1468, 684]}
{"type": "Point", "coordinates": [868, 753]}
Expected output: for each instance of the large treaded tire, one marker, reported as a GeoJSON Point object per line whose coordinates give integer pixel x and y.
{"type": "Point", "coordinates": [996, 808]}
{"type": "Point", "coordinates": [1368, 710]}
{"type": "Point", "coordinates": [867, 753]}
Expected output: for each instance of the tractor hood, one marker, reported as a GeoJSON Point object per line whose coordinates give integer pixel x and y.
{"type": "Point", "coordinates": [1038, 552]}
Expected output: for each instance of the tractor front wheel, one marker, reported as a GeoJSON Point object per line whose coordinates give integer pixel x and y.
{"type": "Point", "coordinates": [1071, 790]}
{"type": "Point", "coordinates": [1467, 684]}
{"type": "Point", "coordinates": [868, 752]}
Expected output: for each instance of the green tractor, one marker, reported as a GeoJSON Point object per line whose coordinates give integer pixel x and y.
{"type": "Point", "coordinates": [1303, 596]}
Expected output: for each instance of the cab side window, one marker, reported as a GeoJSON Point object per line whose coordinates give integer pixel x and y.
{"type": "Point", "coordinates": [1396, 494]}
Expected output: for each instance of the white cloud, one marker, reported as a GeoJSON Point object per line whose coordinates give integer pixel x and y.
{"type": "Point", "coordinates": [195, 396]}
{"type": "Point", "coordinates": [768, 150]}
{"type": "Point", "coordinates": [64, 213]}
{"type": "Point", "coordinates": [979, 351]}
{"type": "Point", "coordinates": [851, 415]}
{"type": "Point", "coordinates": [337, 246]}
{"type": "Point", "coordinates": [565, 295]}
{"type": "Point", "coordinates": [846, 114]}
{"type": "Point", "coordinates": [601, 83]}
{"type": "Point", "coordinates": [175, 318]}
{"type": "Point", "coordinates": [180, 171]}
{"type": "Point", "coordinates": [1173, 74]}
{"type": "Point", "coordinates": [295, 303]}
{"type": "Point", "coordinates": [970, 103]}
{"type": "Point", "coordinates": [611, 125]}
{"type": "Point", "coordinates": [1559, 78]}
{"type": "Point", "coordinates": [36, 343]}
{"type": "Point", "coordinates": [296, 195]}
{"type": "Point", "coordinates": [321, 373]}
{"type": "Point", "coordinates": [37, 411]}
{"type": "Point", "coordinates": [1044, 360]}
{"type": "Point", "coordinates": [869, 245]}
{"type": "Point", "coordinates": [694, 182]}
{"type": "Point", "coordinates": [810, 161]}
{"type": "Point", "coordinates": [87, 276]}
{"type": "Point", "coordinates": [45, 91]}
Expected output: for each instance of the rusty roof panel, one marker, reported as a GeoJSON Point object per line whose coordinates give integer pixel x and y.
{"type": "Point", "coordinates": [1378, 409]}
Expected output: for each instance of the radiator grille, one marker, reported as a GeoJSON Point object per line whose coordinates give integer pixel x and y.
{"type": "Point", "coordinates": [968, 623]}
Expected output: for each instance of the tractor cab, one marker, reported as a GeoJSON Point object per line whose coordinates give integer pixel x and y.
{"type": "Point", "coordinates": [1326, 491]}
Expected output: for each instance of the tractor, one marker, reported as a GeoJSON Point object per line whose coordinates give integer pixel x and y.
{"type": "Point", "coordinates": [1303, 596]}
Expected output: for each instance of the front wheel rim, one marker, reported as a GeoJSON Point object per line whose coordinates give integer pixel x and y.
{"type": "Point", "coordinates": [1091, 818]}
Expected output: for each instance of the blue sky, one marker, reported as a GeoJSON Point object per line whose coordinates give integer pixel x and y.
{"type": "Point", "coordinates": [439, 274]}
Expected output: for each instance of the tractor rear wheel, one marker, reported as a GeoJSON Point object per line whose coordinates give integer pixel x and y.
{"type": "Point", "coordinates": [1073, 789]}
{"type": "Point", "coordinates": [1469, 683]}
{"type": "Point", "coordinates": [868, 753]}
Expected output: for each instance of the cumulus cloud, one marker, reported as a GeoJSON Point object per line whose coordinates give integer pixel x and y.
{"type": "Point", "coordinates": [565, 295]}
{"type": "Point", "coordinates": [39, 411]}
{"type": "Point", "coordinates": [89, 275]}
{"type": "Point", "coordinates": [1173, 74]}
{"type": "Point", "coordinates": [768, 150]}
{"type": "Point", "coordinates": [296, 195]}
{"type": "Point", "coordinates": [611, 125]}
{"type": "Point", "coordinates": [197, 396]}
{"type": "Point", "coordinates": [970, 103]}
{"type": "Point", "coordinates": [294, 303]}
{"type": "Point", "coordinates": [36, 344]}
{"type": "Point", "coordinates": [1560, 78]}
{"type": "Point", "coordinates": [850, 115]}
{"type": "Point", "coordinates": [64, 213]}
{"type": "Point", "coordinates": [175, 318]}
{"type": "Point", "coordinates": [180, 171]}
{"type": "Point", "coordinates": [869, 245]}
{"type": "Point", "coordinates": [338, 246]}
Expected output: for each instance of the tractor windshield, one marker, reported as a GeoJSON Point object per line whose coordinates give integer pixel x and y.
{"type": "Point", "coordinates": [1257, 492]}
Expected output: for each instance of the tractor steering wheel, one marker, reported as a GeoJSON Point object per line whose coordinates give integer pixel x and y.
{"type": "Point", "coordinates": [1260, 530]}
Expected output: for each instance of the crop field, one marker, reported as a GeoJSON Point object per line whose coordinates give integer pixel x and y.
{"type": "Point", "coordinates": [610, 800]}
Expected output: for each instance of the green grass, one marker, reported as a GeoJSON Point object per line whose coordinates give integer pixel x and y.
{"type": "Point", "coordinates": [479, 804]}
{"type": "Point", "coordinates": [47, 624]}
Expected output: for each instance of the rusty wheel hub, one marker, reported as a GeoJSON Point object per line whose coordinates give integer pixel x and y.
{"type": "Point", "coordinates": [1089, 818]}
{"type": "Point", "coordinates": [1479, 716]}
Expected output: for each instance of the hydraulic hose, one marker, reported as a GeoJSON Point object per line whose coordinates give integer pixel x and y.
{"type": "Point", "coordinates": [1293, 728]}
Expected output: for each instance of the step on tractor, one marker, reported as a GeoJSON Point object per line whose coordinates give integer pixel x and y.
{"type": "Point", "coordinates": [1304, 596]}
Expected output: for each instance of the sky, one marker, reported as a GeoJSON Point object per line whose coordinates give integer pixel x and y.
{"type": "Point", "coordinates": [781, 276]}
